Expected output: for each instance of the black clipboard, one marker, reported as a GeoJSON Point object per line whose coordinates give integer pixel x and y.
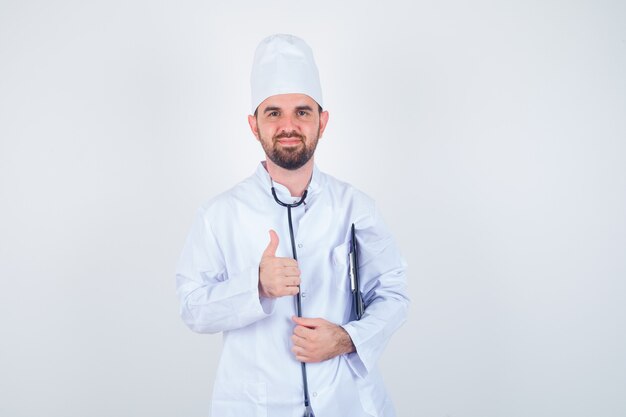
{"type": "Point", "coordinates": [355, 283]}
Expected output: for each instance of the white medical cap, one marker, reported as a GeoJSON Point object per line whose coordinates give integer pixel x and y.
{"type": "Point", "coordinates": [284, 64]}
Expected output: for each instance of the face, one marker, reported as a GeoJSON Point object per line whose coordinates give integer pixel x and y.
{"type": "Point", "coordinates": [289, 127]}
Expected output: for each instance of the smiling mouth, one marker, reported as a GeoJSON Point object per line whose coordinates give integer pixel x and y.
{"type": "Point", "coordinates": [289, 142]}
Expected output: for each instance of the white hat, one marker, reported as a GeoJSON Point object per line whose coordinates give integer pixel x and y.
{"type": "Point", "coordinates": [284, 64]}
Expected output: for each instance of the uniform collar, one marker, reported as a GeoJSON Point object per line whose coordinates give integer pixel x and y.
{"type": "Point", "coordinates": [314, 186]}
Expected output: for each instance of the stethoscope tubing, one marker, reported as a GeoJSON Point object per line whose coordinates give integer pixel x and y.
{"type": "Point", "coordinates": [307, 403]}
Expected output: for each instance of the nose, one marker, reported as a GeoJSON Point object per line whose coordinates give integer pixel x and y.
{"type": "Point", "coordinates": [289, 124]}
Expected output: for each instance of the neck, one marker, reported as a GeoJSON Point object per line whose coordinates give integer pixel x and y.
{"type": "Point", "coordinates": [296, 180]}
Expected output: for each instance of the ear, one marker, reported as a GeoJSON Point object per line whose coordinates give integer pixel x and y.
{"type": "Point", "coordinates": [252, 121]}
{"type": "Point", "coordinates": [323, 122]}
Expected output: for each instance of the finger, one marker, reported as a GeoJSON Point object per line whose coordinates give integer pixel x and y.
{"type": "Point", "coordinates": [299, 341]}
{"type": "Point", "coordinates": [302, 332]}
{"type": "Point", "coordinates": [291, 281]}
{"type": "Point", "coordinates": [307, 322]}
{"type": "Point", "coordinates": [305, 359]}
{"type": "Point", "coordinates": [291, 290]}
{"type": "Point", "coordinates": [287, 262]}
{"type": "Point", "coordinates": [301, 354]}
{"type": "Point", "coordinates": [270, 250]}
{"type": "Point", "coordinates": [291, 271]}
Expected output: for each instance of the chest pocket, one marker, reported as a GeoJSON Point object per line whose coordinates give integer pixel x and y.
{"type": "Point", "coordinates": [341, 266]}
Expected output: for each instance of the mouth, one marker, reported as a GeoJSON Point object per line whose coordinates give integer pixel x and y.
{"type": "Point", "coordinates": [290, 141]}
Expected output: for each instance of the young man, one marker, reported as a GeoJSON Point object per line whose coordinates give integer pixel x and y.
{"type": "Point", "coordinates": [234, 277]}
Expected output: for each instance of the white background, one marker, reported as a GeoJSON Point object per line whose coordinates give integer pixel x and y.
{"type": "Point", "coordinates": [491, 133]}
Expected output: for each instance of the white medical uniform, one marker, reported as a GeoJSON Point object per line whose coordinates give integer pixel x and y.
{"type": "Point", "coordinates": [217, 282]}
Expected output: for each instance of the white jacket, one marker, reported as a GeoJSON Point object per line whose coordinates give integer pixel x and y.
{"type": "Point", "coordinates": [217, 282]}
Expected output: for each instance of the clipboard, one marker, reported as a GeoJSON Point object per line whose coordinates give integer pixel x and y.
{"type": "Point", "coordinates": [355, 283]}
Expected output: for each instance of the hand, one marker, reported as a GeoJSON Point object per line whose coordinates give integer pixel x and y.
{"type": "Point", "coordinates": [317, 340]}
{"type": "Point", "coordinates": [278, 277]}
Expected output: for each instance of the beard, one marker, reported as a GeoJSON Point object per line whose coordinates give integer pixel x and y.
{"type": "Point", "coordinates": [292, 157]}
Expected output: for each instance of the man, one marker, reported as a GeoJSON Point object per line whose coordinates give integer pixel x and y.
{"type": "Point", "coordinates": [234, 277]}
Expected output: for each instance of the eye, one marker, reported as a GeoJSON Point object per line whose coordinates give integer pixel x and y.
{"type": "Point", "coordinates": [303, 113]}
{"type": "Point", "coordinates": [272, 114]}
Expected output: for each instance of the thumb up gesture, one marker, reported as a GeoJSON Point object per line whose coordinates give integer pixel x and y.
{"type": "Point", "coordinates": [278, 277]}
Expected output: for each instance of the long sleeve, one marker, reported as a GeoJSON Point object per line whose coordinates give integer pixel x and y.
{"type": "Point", "coordinates": [383, 282]}
{"type": "Point", "coordinates": [214, 298]}
{"type": "Point", "coordinates": [217, 283]}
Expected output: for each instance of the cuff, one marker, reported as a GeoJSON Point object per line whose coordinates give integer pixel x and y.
{"type": "Point", "coordinates": [354, 360]}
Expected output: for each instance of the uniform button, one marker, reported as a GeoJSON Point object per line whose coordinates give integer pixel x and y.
{"type": "Point", "coordinates": [315, 394]}
{"type": "Point", "coordinates": [300, 245]}
{"type": "Point", "coordinates": [303, 293]}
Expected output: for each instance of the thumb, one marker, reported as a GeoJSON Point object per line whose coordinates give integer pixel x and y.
{"type": "Point", "coordinates": [270, 250]}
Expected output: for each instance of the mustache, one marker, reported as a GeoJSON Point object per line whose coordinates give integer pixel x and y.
{"type": "Point", "coordinates": [289, 135]}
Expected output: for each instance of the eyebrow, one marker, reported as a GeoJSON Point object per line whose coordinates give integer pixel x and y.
{"type": "Point", "coordinates": [275, 108]}
{"type": "Point", "coordinates": [271, 108]}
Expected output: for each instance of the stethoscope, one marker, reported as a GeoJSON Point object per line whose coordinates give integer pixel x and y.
{"type": "Point", "coordinates": [308, 411]}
